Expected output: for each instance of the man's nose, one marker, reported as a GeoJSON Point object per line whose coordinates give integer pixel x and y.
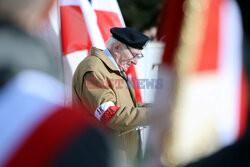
{"type": "Point", "coordinates": [135, 60]}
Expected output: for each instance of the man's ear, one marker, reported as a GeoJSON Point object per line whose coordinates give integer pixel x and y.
{"type": "Point", "coordinates": [116, 47]}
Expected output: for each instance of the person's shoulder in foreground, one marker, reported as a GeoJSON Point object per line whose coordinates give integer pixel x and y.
{"type": "Point", "coordinates": [234, 155]}
{"type": "Point", "coordinates": [44, 133]}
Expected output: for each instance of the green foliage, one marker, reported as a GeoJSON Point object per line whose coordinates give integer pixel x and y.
{"type": "Point", "coordinates": [140, 14]}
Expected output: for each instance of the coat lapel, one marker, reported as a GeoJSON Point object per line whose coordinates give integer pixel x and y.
{"type": "Point", "coordinates": [111, 66]}
{"type": "Point", "coordinates": [130, 87]}
{"type": "Point", "coordinates": [98, 53]}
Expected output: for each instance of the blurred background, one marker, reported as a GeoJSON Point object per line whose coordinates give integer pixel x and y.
{"type": "Point", "coordinates": [203, 45]}
{"type": "Point", "coordinates": [195, 52]}
{"type": "Point", "coordinates": [141, 15]}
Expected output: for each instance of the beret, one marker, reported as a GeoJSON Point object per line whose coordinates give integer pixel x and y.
{"type": "Point", "coordinates": [130, 37]}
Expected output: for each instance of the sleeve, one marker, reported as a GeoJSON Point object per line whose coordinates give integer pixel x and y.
{"type": "Point", "coordinates": [102, 99]}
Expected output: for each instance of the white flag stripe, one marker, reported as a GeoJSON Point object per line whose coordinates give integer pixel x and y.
{"type": "Point", "coordinates": [16, 112]}
{"type": "Point", "coordinates": [91, 21]}
{"type": "Point", "coordinates": [70, 64]}
{"type": "Point", "coordinates": [230, 67]}
{"type": "Point", "coordinates": [69, 2]}
{"type": "Point", "coordinates": [75, 58]}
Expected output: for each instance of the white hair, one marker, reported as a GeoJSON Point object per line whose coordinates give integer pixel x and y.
{"type": "Point", "coordinates": [111, 41]}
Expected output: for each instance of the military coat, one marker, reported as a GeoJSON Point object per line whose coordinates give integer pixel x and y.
{"type": "Point", "coordinates": [97, 82]}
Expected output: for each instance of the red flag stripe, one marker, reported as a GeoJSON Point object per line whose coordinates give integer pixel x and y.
{"type": "Point", "coordinates": [105, 21]}
{"type": "Point", "coordinates": [47, 141]}
{"type": "Point", "coordinates": [170, 29]}
{"type": "Point", "coordinates": [74, 32]}
{"type": "Point", "coordinates": [132, 74]}
{"type": "Point", "coordinates": [209, 50]}
{"type": "Point", "coordinates": [108, 114]}
{"type": "Point", "coordinates": [243, 105]}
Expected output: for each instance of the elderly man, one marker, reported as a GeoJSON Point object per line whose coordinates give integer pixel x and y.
{"type": "Point", "coordinates": [100, 83]}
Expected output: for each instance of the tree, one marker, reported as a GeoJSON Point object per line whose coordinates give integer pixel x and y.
{"type": "Point", "coordinates": [140, 14]}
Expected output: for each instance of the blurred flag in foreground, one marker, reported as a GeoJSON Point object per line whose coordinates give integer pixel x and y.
{"type": "Point", "coordinates": [36, 130]}
{"type": "Point", "coordinates": [203, 44]}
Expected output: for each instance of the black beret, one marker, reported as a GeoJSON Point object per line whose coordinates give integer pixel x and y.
{"type": "Point", "coordinates": [130, 37]}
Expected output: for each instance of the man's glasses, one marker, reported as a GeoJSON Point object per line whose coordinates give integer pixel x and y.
{"type": "Point", "coordinates": [139, 56]}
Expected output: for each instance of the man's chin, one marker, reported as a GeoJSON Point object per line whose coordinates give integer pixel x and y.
{"type": "Point", "coordinates": [124, 69]}
{"type": "Point", "coordinates": [127, 68]}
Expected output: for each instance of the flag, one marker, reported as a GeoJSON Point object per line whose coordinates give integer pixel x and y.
{"type": "Point", "coordinates": [36, 130]}
{"type": "Point", "coordinates": [79, 32]}
{"type": "Point", "coordinates": [74, 32]}
{"type": "Point", "coordinates": [203, 44]}
{"type": "Point", "coordinates": [84, 25]}
{"type": "Point", "coordinates": [108, 15]}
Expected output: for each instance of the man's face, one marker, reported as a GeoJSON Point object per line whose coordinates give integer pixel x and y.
{"type": "Point", "coordinates": [126, 57]}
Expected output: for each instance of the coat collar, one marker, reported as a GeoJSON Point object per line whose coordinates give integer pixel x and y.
{"type": "Point", "coordinates": [109, 55]}
{"type": "Point", "coordinates": [98, 53]}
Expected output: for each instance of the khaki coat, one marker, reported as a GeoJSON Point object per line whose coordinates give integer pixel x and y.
{"type": "Point", "coordinates": [112, 86]}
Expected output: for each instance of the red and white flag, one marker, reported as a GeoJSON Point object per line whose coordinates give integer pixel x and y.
{"type": "Point", "coordinates": [108, 15]}
{"type": "Point", "coordinates": [79, 28]}
{"type": "Point", "coordinates": [36, 130]}
{"type": "Point", "coordinates": [205, 47]}
{"type": "Point", "coordinates": [84, 25]}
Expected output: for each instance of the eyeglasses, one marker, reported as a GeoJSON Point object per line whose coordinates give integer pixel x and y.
{"type": "Point", "coordinates": [139, 56]}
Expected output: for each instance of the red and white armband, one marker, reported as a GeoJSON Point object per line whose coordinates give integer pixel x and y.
{"type": "Point", "coordinates": [106, 111]}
